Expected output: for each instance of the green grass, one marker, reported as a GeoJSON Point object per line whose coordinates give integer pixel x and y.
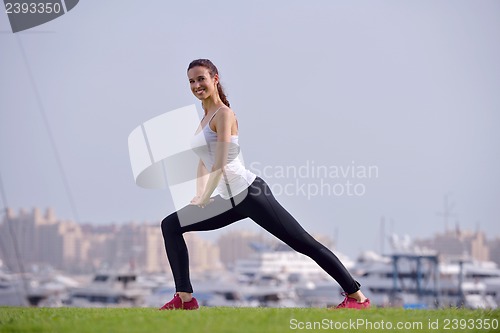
{"type": "Point", "coordinates": [213, 320]}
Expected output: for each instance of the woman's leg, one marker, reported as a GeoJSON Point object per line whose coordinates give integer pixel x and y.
{"type": "Point", "coordinates": [219, 214]}
{"type": "Point", "coordinates": [261, 206]}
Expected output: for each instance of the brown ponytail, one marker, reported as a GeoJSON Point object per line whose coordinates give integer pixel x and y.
{"type": "Point", "coordinates": [212, 70]}
{"type": "Point", "coordinates": [222, 95]}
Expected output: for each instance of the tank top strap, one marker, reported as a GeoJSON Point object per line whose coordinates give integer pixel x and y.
{"type": "Point", "coordinates": [208, 124]}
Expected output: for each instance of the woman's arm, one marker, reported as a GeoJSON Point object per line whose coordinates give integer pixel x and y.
{"type": "Point", "coordinates": [201, 182]}
{"type": "Point", "coordinates": [202, 178]}
{"type": "Point", "coordinates": [223, 123]}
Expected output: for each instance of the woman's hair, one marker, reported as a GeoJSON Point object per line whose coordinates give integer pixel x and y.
{"type": "Point", "coordinates": [212, 70]}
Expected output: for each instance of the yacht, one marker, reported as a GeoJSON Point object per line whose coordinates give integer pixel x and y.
{"type": "Point", "coordinates": [110, 289]}
{"type": "Point", "coordinates": [282, 261]}
{"type": "Point", "coordinates": [464, 283]}
{"type": "Point", "coordinates": [11, 290]}
{"type": "Point", "coordinates": [44, 287]}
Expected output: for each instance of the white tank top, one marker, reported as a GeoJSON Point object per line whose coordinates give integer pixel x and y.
{"type": "Point", "coordinates": [235, 177]}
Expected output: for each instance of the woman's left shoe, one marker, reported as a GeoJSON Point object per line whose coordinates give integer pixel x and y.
{"type": "Point", "coordinates": [351, 303]}
{"type": "Point", "coordinates": [177, 304]}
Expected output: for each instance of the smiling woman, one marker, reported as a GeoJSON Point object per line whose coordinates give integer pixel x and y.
{"type": "Point", "coordinates": [198, 69]}
{"type": "Point", "coordinates": [242, 194]}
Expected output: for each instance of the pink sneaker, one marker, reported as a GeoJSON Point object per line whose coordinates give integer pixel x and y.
{"type": "Point", "coordinates": [351, 303]}
{"type": "Point", "coordinates": [177, 304]}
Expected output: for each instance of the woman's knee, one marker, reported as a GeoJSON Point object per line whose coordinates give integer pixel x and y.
{"type": "Point", "coordinates": [170, 224]}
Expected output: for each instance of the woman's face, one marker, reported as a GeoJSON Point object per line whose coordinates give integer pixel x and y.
{"type": "Point", "coordinates": [202, 84]}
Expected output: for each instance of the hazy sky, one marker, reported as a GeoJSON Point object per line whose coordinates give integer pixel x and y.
{"type": "Point", "coordinates": [410, 87]}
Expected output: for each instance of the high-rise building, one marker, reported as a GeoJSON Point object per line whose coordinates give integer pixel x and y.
{"type": "Point", "coordinates": [154, 257]}
{"type": "Point", "coordinates": [137, 246]}
{"type": "Point", "coordinates": [203, 254]}
{"type": "Point", "coordinates": [458, 243]}
{"type": "Point", "coordinates": [494, 247]}
{"type": "Point", "coordinates": [240, 244]}
{"type": "Point", "coordinates": [31, 238]}
{"type": "Point", "coordinates": [237, 244]}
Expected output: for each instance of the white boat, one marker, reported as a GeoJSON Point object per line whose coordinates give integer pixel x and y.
{"type": "Point", "coordinates": [227, 290]}
{"type": "Point", "coordinates": [11, 290]}
{"type": "Point", "coordinates": [467, 283]}
{"type": "Point", "coordinates": [475, 296]}
{"type": "Point", "coordinates": [290, 278]}
{"type": "Point", "coordinates": [282, 260]}
{"type": "Point", "coordinates": [110, 289]}
{"type": "Point", "coordinates": [45, 288]}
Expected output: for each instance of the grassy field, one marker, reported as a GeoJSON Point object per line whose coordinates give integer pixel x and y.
{"type": "Point", "coordinates": [213, 320]}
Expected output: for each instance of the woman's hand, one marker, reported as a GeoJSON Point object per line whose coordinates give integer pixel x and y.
{"type": "Point", "coordinates": [201, 202]}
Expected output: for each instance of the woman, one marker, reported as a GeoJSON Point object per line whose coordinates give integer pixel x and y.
{"type": "Point", "coordinates": [241, 194]}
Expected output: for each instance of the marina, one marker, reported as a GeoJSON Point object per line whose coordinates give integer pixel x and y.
{"type": "Point", "coordinates": [277, 277]}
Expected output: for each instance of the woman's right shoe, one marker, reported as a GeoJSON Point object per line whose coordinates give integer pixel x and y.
{"type": "Point", "coordinates": [177, 304]}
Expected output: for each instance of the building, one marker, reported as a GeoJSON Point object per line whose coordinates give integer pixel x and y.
{"type": "Point", "coordinates": [33, 238]}
{"type": "Point", "coordinates": [457, 243]}
{"type": "Point", "coordinates": [239, 245]}
{"type": "Point", "coordinates": [236, 244]}
{"type": "Point", "coordinates": [494, 247]}
{"type": "Point", "coordinates": [203, 254]}
{"type": "Point", "coordinates": [131, 246]}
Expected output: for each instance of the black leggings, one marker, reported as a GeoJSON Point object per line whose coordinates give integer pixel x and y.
{"type": "Point", "coordinates": [260, 205]}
